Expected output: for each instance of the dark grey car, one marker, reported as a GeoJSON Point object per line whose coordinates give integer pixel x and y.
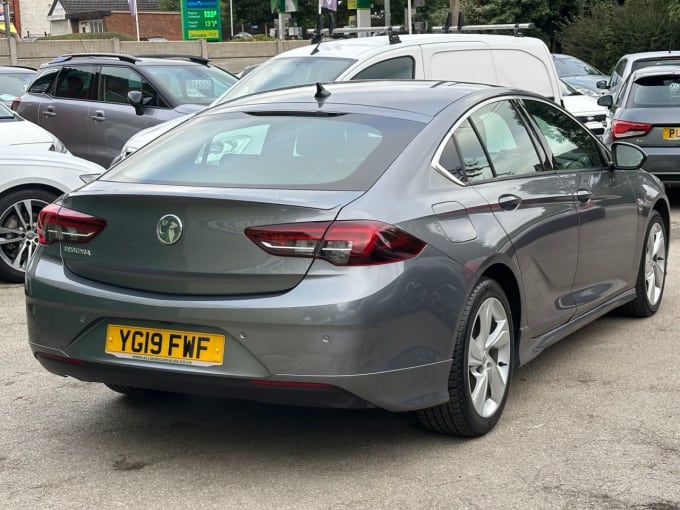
{"type": "Point", "coordinates": [403, 245]}
{"type": "Point", "coordinates": [646, 112]}
{"type": "Point", "coordinates": [95, 102]}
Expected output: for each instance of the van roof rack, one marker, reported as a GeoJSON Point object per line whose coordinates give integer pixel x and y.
{"type": "Point", "coordinates": [515, 27]}
{"type": "Point", "coordinates": [400, 29]}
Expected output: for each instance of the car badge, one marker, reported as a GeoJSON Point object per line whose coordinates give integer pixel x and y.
{"type": "Point", "coordinates": [169, 229]}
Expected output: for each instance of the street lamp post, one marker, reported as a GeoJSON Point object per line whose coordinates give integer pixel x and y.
{"type": "Point", "coordinates": [231, 18]}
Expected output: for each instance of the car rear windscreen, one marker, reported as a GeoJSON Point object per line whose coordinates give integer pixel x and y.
{"type": "Point", "coordinates": [655, 92]}
{"type": "Point", "coordinates": [272, 150]}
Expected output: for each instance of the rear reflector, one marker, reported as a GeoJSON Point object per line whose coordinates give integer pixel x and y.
{"type": "Point", "coordinates": [343, 243]}
{"type": "Point", "coordinates": [57, 223]}
{"type": "Point", "coordinates": [63, 359]}
{"type": "Point", "coordinates": [625, 129]}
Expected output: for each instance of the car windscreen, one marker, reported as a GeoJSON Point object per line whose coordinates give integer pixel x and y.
{"type": "Point", "coordinates": [654, 92]}
{"type": "Point", "coordinates": [14, 84]}
{"type": "Point", "coordinates": [280, 151]}
{"type": "Point", "coordinates": [192, 84]}
{"type": "Point", "coordinates": [574, 67]}
{"type": "Point", "coordinates": [279, 73]}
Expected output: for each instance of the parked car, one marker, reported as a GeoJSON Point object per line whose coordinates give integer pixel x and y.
{"type": "Point", "coordinates": [30, 179]}
{"type": "Point", "coordinates": [403, 245]}
{"type": "Point", "coordinates": [15, 130]}
{"type": "Point", "coordinates": [522, 62]}
{"type": "Point", "coordinates": [646, 112]}
{"type": "Point", "coordinates": [579, 74]}
{"type": "Point", "coordinates": [13, 82]}
{"type": "Point", "coordinates": [95, 102]}
{"type": "Point", "coordinates": [634, 61]}
{"type": "Point", "coordinates": [585, 108]}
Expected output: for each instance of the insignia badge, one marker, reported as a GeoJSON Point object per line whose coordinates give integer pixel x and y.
{"type": "Point", "coordinates": [169, 229]}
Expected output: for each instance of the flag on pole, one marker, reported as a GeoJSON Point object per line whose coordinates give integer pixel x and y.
{"type": "Point", "coordinates": [284, 5]}
{"type": "Point", "coordinates": [132, 4]}
{"type": "Point", "coordinates": [331, 5]}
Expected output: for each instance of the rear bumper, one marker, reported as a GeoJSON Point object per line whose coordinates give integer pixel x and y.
{"type": "Point", "coordinates": [384, 339]}
{"type": "Point", "coordinates": [664, 163]}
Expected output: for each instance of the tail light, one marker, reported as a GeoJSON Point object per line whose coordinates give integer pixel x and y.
{"type": "Point", "coordinates": [342, 243]}
{"type": "Point", "coordinates": [57, 223]}
{"type": "Point", "coordinates": [15, 103]}
{"type": "Point", "coordinates": [625, 129]}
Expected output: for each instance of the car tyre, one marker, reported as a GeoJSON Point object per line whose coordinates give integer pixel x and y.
{"type": "Point", "coordinates": [481, 366]}
{"type": "Point", "coordinates": [18, 237]}
{"type": "Point", "coordinates": [651, 278]}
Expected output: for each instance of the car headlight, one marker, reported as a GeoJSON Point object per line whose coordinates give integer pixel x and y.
{"type": "Point", "coordinates": [58, 146]}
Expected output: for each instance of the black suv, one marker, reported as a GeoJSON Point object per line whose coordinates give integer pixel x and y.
{"type": "Point", "coordinates": [94, 102]}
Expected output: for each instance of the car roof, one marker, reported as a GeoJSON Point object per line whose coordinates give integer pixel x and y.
{"type": "Point", "coordinates": [402, 95]}
{"type": "Point", "coordinates": [362, 47]}
{"type": "Point", "coordinates": [651, 55]}
{"type": "Point", "coordinates": [17, 69]}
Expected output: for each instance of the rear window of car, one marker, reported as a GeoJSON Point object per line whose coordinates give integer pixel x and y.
{"type": "Point", "coordinates": [286, 150]}
{"type": "Point", "coordinates": [191, 84]}
{"type": "Point", "coordinates": [654, 92]}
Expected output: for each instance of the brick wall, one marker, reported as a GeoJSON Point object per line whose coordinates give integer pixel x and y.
{"type": "Point", "coordinates": [151, 24]}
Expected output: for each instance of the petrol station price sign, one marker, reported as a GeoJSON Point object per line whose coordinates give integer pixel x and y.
{"type": "Point", "coordinates": [201, 19]}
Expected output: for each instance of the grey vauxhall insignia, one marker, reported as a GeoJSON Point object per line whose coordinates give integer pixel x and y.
{"type": "Point", "coordinates": [402, 245]}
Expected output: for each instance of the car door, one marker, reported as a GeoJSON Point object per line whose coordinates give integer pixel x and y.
{"type": "Point", "coordinates": [606, 205]}
{"type": "Point", "coordinates": [66, 112]}
{"type": "Point", "coordinates": [535, 207]}
{"type": "Point", "coordinates": [112, 119]}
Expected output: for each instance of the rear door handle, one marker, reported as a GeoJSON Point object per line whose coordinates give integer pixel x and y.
{"type": "Point", "coordinates": [49, 112]}
{"type": "Point", "coordinates": [584, 195]}
{"type": "Point", "coordinates": [509, 202]}
{"type": "Point", "coordinates": [98, 115]}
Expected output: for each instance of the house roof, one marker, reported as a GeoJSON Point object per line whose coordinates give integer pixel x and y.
{"type": "Point", "coordinates": [88, 6]}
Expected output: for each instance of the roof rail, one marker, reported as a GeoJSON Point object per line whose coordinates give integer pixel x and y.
{"type": "Point", "coordinates": [192, 58]}
{"type": "Point", "coordinates": [119, 56]}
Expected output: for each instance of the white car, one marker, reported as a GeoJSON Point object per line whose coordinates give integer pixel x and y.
{"type": "Point", "coordinates": [15, 130]}
{"type": "Point", "coordinates": [30, 179]}
{"type": "Point", "coordinates": [585, 108]}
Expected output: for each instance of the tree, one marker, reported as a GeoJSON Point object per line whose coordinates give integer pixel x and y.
{"type": "Point", "coordinates": [609, 30]}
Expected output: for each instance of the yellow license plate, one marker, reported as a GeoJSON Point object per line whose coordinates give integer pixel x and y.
{"type": "Point", "coordinates": [671, 133]}
{"type": "Point", "coordinates": [165, 345]}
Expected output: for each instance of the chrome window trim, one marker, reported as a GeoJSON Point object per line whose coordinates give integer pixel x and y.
{"type": "Point", "coordinates": [440, 148]}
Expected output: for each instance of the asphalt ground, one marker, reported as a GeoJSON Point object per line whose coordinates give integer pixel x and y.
{"type": "Point", "coordinates": [593, 423]}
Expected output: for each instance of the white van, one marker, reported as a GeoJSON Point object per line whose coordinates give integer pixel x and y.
{"type": "Point", "coordinates": [514, 61]}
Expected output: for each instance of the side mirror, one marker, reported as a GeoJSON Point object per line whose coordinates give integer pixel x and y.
{"type": "Point", "coordinates": [134, 97]}
{"type": "Point", "coordinates": [602, 84]}
{"type": "Point", "coordinates": [607, 100]}
{"type": "Point", "coordinates": [627, 156]}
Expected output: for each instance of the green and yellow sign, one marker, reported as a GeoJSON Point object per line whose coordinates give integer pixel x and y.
{"type": "Point", "coordinates": [201, 19]}
{"type": "Point", "coordinates": [359, 4]}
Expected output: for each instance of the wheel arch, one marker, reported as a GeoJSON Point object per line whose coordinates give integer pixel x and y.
{"type": "Point", "coordinates": [508, 282]}
{"type": "Point", "coordinates": [32, 186]}
{"type": "Point", "coordinates": [661, 206]}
